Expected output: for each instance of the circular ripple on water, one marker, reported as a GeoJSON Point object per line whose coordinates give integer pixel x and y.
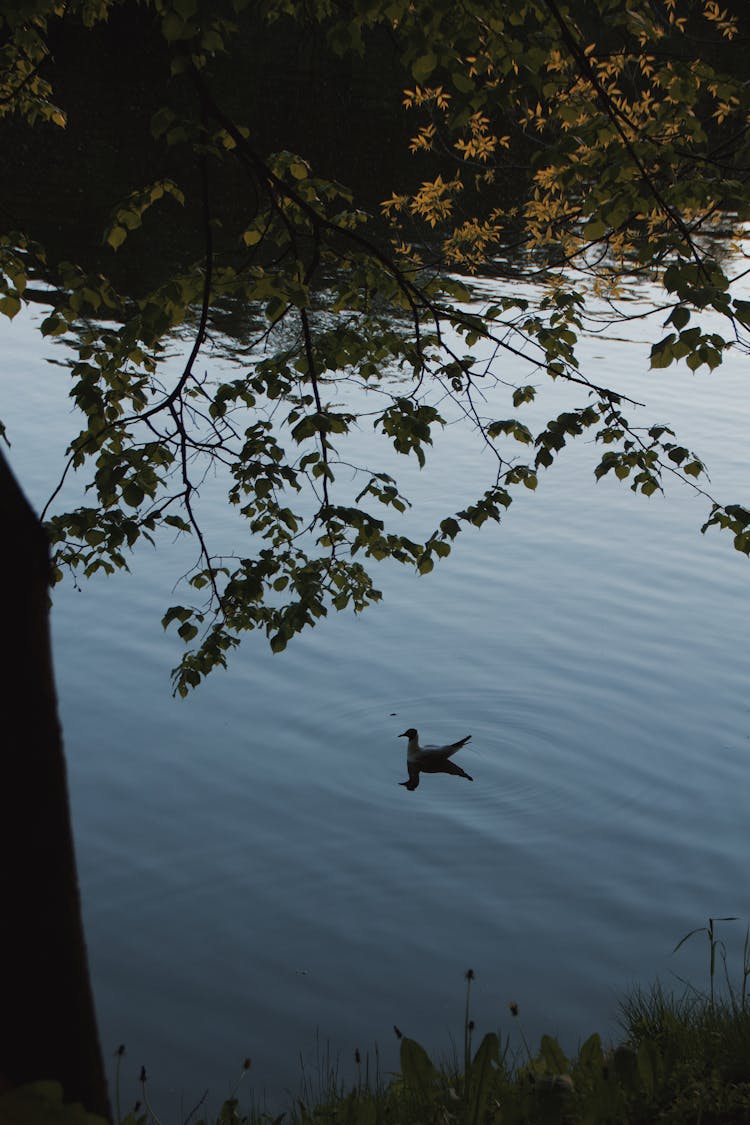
{"type": "Point", "coordinates": [523, 758]}
{"type": "Point", "coordinates": [568, 755]}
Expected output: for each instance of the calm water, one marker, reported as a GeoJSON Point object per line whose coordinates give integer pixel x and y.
{"type": "Point", "coordinates": [253, 876]}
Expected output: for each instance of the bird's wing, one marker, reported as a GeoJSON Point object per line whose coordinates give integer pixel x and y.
{"type": "Point", "coordinates": [440, 753]}
{"type": "Point", "coordinates": [455, 770]}
{"type": "Point", "coordinates": [431, 755]}
{"type": "Point", "coordinates": [443, 765]}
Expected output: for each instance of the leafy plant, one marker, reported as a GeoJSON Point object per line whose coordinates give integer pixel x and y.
{"type": "Point", "coordinates": [633, 149]}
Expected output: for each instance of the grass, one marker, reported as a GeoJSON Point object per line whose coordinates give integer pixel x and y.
{"type": "Point", "coordinates": [701, 1054]}
{"type": "Point", "coordinates": [680, 1059]}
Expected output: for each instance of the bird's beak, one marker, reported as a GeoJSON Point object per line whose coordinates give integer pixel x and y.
{"type": "Point", "coordinates": [404, 734]}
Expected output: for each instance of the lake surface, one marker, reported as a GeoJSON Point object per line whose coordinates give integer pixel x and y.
{"type": "Point", "coordinates": [255, 881]}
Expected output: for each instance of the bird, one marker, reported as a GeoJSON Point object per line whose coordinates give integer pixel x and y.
{"type": "Point", "coordinates": [430, 759]}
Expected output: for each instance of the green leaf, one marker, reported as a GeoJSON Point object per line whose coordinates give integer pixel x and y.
{"type": "Point", "coordinates": [591, 1056]}
{"type": "Point", "coordinates": [462, 82]}
{"type": "Point", "coordinates": [52, 325]}
{"type": "Point", "coordinates": [524, 394]}
{"type": "Point", "coordinates": [742, 312]}
{"type": "Point", "coordinates": [483, 1075]}
{"type": "Point", "coordinates": [278, 643]}
{"type": "Point", "coordinates": [175, 613]}
{"type": "Point", "coordinates": [174, 27]}
{"type": "Point", "coordinates": [42, 1102]}
{"type": "Point", "coordinates": [9, 306]}
{"type": "Point", "coordinates": [132, 494]}
{"type": "Point", "coordinates": [553, 1055]}
{"type": "Point", "coordinates": [416, 1067]}
{"type": "Point", "coordinates": [649, 1065]}
{"type": "Point", "coordinates": [662, 354]}
{"type": "Point", "coordinates": [679, 317]}
{"type": "Point", "coordinates": [177, 522]}
{"type": "Point", "coordinates": [594, 230]}
{"type": "Point", "coordinates": [116, 236]}
{"type": "Point", "coordinates": [423, 67]}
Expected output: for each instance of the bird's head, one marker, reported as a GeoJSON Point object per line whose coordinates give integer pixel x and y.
{"type": "Point", "coordinates": [410, 733]}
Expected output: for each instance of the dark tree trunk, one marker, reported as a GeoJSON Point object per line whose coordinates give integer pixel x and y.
{"type": "Point", "coordinates": [47, 1019]}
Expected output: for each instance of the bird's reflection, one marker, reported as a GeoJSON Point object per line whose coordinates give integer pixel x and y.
{"type": "Point", "coordinates": [430, 759]}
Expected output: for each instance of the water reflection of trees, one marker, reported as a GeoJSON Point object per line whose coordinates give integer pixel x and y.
{"type": "Point", "coordinates": [281, 270]}
{"type": "Point", "coordinates": [207, 222]}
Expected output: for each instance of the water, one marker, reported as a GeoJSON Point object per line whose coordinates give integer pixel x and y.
{"type": "Point", "coordinates": [254, 879]}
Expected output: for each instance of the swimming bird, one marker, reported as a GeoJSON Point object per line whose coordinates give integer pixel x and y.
{"type": "Point", "coordinates": [430, 759]}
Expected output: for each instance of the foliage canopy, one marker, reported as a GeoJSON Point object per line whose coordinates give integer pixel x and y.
{"type": "Point", "coordinates": [626, 127]}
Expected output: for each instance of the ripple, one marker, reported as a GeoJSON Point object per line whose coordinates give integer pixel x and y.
{"type": "Point", "coordinates": [595, 648]}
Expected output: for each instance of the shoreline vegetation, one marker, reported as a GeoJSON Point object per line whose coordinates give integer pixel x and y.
{"type": "Point", "coordinates": [627, 130]}
{"type": "Point", "coordinates": [680, 1058]}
